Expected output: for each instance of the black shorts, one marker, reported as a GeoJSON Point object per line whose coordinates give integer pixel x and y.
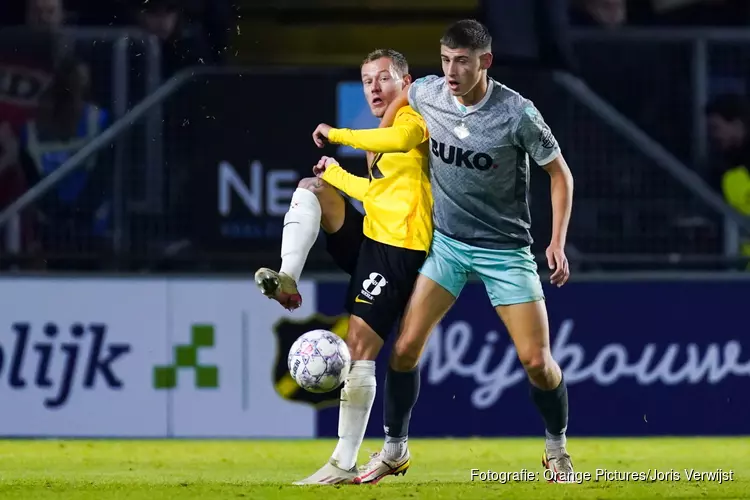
{"type": "Point", "coordinates": [382, 276]}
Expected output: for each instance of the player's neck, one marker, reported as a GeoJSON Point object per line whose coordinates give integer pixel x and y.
{"type": "Point", "coordinates": [476, 94]}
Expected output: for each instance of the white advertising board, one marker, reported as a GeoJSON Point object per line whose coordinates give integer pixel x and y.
{"type": "Point", "coordinates": [243, 401]}
{"type": "Point", "coordinates": [75, 357]}
{"type": "Point", "coordinates": [143, 358]}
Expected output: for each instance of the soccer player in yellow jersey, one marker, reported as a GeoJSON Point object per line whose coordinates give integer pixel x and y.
{"type": "Point", "coordinates": [382, 251]}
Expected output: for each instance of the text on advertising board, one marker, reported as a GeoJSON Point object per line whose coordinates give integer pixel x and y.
{"type": "Point", "coordinates": [35, 353]}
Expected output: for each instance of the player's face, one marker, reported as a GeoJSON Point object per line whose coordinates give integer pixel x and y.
{"type": "Point", "coordinates": [463, 68]}
{"type": "Point", "coordinates": [382, 84]}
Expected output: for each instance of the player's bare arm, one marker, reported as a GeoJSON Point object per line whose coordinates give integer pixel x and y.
{"type": "Point", "coordinates": [561, 191]}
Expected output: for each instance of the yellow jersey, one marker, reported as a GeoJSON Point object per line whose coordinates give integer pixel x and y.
{"type": "Point", "coordinates": [397, 196]}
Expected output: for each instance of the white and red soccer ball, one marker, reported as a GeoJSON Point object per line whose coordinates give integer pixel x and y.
{"type": "Point", "coordinates": [319, 361]}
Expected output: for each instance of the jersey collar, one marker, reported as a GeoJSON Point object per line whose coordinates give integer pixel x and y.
{"type": "Point", "coordinates": [476, 107]}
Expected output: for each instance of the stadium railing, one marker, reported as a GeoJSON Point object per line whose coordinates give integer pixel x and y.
{"type": "Point", "coordinates": [663, 206]}
{"type": "Point", "coordinates": [133, 72]}
{"type": "Point", "coordinates": [114, 138]}
{"type": "Point", "coordinates": [635, 202]}
{"type": "Point", "coordinates": [125, 66]}
{"type": "Point", "coordinates": [661, 79]}
{"type": "Point", "coordinates": [233, 157]}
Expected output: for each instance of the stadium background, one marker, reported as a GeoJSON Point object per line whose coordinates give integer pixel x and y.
{"type": "Point", "coordinates": [135, 249]}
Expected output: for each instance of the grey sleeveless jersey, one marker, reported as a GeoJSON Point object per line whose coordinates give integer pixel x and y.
{"type": "Point", "coordinates": [479, 163]}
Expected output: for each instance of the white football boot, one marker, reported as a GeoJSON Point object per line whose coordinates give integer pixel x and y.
{"type": "Point", "coordinates": [279, 287]}
{"type": "Point", "coordinates": [330, 474]}
{"type": "Point", "coordinates": [559, 463]}
{"type": "Point", "coordinates": [379, 467]}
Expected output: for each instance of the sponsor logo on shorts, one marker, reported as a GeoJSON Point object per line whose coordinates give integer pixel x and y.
{"type": "Point", "coordinates": [372, 286]}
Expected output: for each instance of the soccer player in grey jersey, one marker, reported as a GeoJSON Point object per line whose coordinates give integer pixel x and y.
{"type": "Point", "coordinates": [482, 134]}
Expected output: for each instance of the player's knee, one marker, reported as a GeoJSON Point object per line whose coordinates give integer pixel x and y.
{"type": "Point", "coordinates": [314, 185]}
{"type": "Point", "coordinates": [535, 361]}
{"type": "Point", "coordinates": [405, 355]}
{"type": "Point", "coordinates": [363, 343]}
{"type": "Point", "coordinates": [328, 198]}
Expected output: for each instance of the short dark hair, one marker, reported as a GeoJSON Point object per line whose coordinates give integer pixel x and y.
{"type": "Point", "coordinates": [467, 34]}
{"type": "Point", "coordinates": [398, 60]}
{"type": "Point", "coordinates": [730, 107]}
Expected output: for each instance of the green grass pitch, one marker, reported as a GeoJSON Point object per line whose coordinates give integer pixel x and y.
{"type": "Point", "coordinates": [441, 469]}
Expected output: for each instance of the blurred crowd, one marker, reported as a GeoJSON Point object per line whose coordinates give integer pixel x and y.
{"type": "Point", "coordinates": [727, 113]}
{"type": "Point", "coordinates": [55, 96]}
{"type": "Point", "coordinates": [191, 31]}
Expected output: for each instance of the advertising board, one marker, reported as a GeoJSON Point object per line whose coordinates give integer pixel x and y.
{"type": "Point", "coordinates": [144, 358]}
{"type": "Point", "coordinates": [246, 153]}
{"type": "Point", "coordinates": [199, 358]}
{"type": "Point", "coordinates": [640, 358]}
{"type": "Point", "coordinates": [73, 357]}
{"type": "Point", "coordinates": [225, 330]}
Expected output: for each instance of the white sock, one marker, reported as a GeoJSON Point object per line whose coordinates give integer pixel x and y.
{"type": "Point", "coordinates": [357, 397]}
{"type": "Point", "coordinates": [301, 228]}
{"type": "Point", "coordinates": [395, 447]}
{"type": "Point", "coordinates": [555, 443]}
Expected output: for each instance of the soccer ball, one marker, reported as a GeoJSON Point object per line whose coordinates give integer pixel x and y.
{"type": "Point", "coordinates": [319, 361]}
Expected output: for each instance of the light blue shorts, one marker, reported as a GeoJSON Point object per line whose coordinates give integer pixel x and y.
{"type": "Point", "coordinates": [509, 276]}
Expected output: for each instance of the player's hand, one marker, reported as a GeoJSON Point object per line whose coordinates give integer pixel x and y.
{"type": "Point", "coordinates": [323, 164]}
{"type": "Point", "coordinates": [330, 161]}
{"type": "Point", "coordinates": [558, 264]}
{"type": "Point", "coordinates": [321, 134]}
{"type": "Point", "coordinates": [320, 167]}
